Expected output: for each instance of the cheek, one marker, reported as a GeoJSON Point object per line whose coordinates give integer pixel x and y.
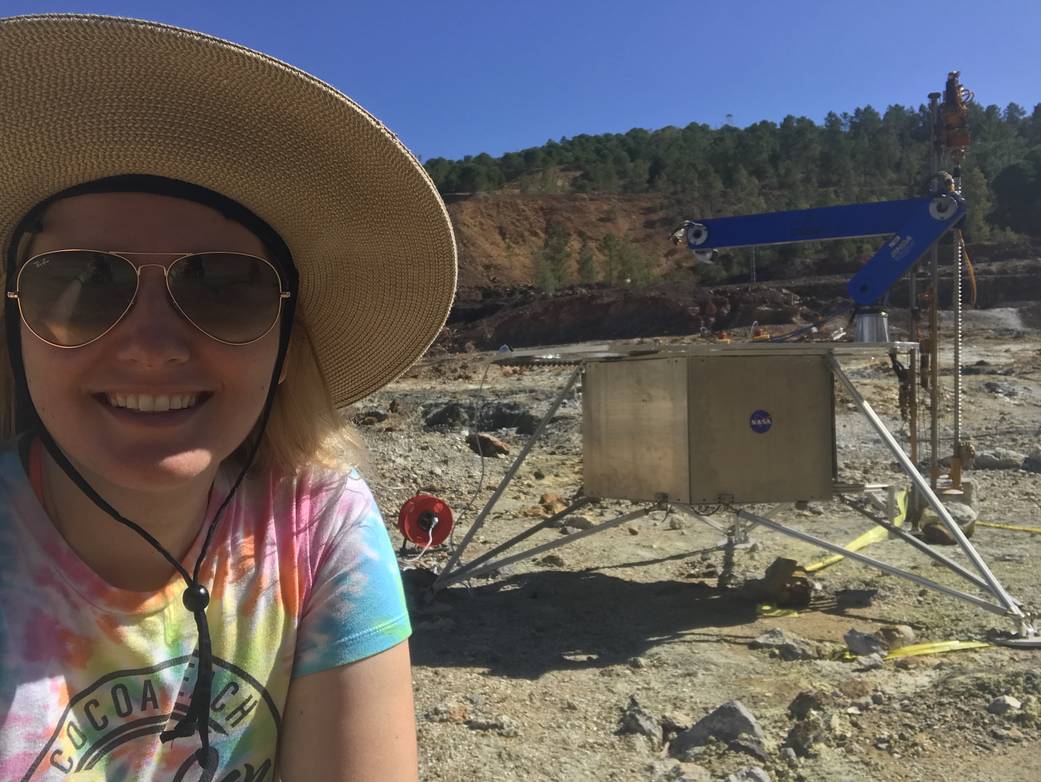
{"type": "Point", "coordinates": [50, 374]}
{"type": "Point", "coordinates": [246, 375]}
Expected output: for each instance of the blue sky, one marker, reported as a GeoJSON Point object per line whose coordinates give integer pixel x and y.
{"type": "Point", "coordinates": [457, 77]}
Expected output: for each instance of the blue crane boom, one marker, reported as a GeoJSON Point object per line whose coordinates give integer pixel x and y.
{"type": "Point", "coordinates": [916, 224]}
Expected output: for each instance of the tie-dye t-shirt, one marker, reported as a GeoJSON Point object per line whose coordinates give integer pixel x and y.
{"type": "Point", "coordinates": [302, 578]}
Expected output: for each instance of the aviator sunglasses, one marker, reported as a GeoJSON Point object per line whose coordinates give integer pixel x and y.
{"type": "Point", "coordinates": [70, 298]}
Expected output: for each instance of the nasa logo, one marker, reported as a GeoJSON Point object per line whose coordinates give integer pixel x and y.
{"type": "Point", "coordinates": [760, 421]}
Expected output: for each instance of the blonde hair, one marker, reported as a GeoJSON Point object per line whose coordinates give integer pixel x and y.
{"type": "Point", "coordinates": [305, 428]}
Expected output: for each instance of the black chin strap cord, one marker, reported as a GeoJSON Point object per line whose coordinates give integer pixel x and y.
{"type": "Point", "coordinates": [196, 597]}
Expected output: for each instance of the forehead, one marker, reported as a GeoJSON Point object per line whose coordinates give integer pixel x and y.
{"type": "Point", "coordinates": [141, 222]}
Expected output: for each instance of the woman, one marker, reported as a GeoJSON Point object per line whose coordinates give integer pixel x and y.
{"type": "Point", "coordinates": [207, 253]}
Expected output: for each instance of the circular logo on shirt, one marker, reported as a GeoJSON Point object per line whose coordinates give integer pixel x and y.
{"type": "Point", "coordinates": [760, 421]}
{"type": "Point", "coordinates": [128, 706]}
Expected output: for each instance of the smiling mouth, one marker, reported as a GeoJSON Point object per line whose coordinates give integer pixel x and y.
{"type": "Point", "coordinates": [153, 403]}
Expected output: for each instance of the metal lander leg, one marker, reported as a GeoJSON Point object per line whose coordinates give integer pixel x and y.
{"type": "Point", "coordinates": [1007, 606]}
{"type": "Point", "coordinates": [476, 569]}
{"type": "Point", "coordinates": [454, 573]}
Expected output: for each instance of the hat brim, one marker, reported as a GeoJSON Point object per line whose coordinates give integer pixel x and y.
{"type": "Point", "coordinates": [85, 97]}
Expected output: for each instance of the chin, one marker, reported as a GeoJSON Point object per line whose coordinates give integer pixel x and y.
{"type": "Point", "coordinates": [158, 472]}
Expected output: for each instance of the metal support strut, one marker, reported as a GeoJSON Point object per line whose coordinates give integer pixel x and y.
{"type": "Point", "coordinates": [442, 580]}
{"type": "Point", "coordinates": [1009, 606]}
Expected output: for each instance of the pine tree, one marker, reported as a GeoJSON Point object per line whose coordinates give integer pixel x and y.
{"type": "Point", "coordinates": [552, 261]}
{"type": "Point", "coordinates": [586, 264]}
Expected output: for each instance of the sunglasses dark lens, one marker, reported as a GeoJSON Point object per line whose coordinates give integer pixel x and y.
{"type": "Point", "coordinates": [72, 297]}
{"type": "Point", "coordinates": [234, 298]}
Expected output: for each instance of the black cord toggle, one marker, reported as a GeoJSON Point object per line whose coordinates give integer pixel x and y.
{"type": "Point", "coordinates": [196, 598]}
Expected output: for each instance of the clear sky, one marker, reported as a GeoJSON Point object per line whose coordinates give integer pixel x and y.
{"type": "Point", "coordinates": [458, 77]}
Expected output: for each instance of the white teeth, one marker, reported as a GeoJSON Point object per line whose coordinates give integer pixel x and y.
{"type": "Point", "coordinates": [148, 403]}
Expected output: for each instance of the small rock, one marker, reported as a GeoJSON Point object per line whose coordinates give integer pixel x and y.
{"type": "Point", "coordinates": [749, 774]}
{"type": "Point", "coordinates": [878, 698]}
{"type": "Point", "coordinates": [804, 734]}
{"type": "Point", "coordinates": [674, 723]}
{"type": "Point", "coordinates": [508, 415]}
{"type": "Point", "coordinates": [787, 646]}
{"type": "Point", "coordinates": [863, 643]}
{"type": "Point", "coordinates": [486, 444]}
{"type": "Point", "coordinates": [895, 636]}
{"type": "Point", "coordinates": [452, 415]}
{"type": "Point", "coordinates": [998, 459]}
{"type": "Point", "coordinates": [503, 725]}
{"type": "Point", "coordinates": [855, 687]}
{"type": "Point", "coordinates": [637, 720]}
{"type": "Point", "coordinates": [934, 531]}
{"type": "Point", "coordinates": [726, 723]}
{"type": "Point", "coordinates": [1004, 705]}
{"type": "Point", "coordinates": [638, 662]}
{"type": "Point", "coordinates": [553, 560]}
{"type": "Point", "coordinates": [870, 662]}
{"type": "Point", "coordinates": [789, 756]}
{"type": "Point", "coordinates": [749, 747]}
{"type": "Point", "coordinates": [1032, 463]}
{"type": "Point", "coordinates": [448, 712]}
{"type": "Point", "coordinates": [552, 504]}
{"type": "Point", "coordinates": [632, 530]}
{"type": "Point", "coordinates": [538, 475]}
{"type": "Point", "coordinates": [807, 701]}
{"type": "Point", "coordinates": [1001, 389]}
{"type": "Point", "coordinates": [580, 522]}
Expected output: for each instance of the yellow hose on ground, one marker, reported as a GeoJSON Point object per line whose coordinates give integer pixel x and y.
{"type": "Point", "coordinates": [874, 535]}
{"type": "Point", "coordinates": [1013, 527]}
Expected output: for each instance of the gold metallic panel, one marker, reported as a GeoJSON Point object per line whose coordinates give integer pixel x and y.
{"type": "Point", "coordinates": [634, 423]}
{"type": "Point", "coordinates": [761, 428]}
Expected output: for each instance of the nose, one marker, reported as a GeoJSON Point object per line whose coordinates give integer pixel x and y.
{"type": "Point", "coordinates": [153, 334]}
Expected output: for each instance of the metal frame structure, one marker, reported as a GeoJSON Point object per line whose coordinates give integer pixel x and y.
{"type": "Point", "coordinates": [1000, 602]}
{"type": "Point", "coordinates": [916, 225]}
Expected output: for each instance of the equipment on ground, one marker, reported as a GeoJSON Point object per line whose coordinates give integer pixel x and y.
{"type": "Point", "coordinates": [425, 521]}
{"type": "Point", "coordinates": [707, 427]}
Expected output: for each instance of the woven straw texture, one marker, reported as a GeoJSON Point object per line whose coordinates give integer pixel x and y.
{"type": "Point", "coordinates": [84, 97]}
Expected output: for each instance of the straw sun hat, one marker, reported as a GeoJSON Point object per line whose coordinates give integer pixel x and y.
{"type": "Point", "coordinates": [86, 97]}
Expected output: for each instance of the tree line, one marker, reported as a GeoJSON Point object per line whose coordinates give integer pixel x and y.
{"type": "Point", "coordinates": [795, 164]}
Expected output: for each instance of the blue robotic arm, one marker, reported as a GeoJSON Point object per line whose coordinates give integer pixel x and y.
{"type": "Point", "coordinates": [916, 224]}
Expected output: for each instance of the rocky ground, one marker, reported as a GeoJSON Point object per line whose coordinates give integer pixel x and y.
{"type": "Point", "coordinates": [620, 657]}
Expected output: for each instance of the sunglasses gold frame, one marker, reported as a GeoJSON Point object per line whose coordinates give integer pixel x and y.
{"type": "Point", "coordinates": [15, 294]}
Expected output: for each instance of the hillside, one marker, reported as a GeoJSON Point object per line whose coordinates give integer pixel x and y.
{"type": "Point", "coordinates": [499, 234]}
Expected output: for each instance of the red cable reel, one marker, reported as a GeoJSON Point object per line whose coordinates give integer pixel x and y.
{"type": "Point", "coordinates": [425, 520]}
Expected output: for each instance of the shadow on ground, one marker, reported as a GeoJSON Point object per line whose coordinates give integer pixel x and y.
{"type": "Point", "coordinates": [525, 625]}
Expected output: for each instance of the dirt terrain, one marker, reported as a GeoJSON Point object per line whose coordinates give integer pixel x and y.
{"type": "Point", "coordinates": [528, 673]}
